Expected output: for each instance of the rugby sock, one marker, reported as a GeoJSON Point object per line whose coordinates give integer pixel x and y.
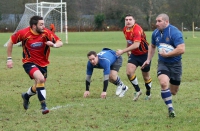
{"type": "Point", "coordinates": [42, 96]}
{"type": "Point", "coordinates": [134, 82]}
{"type": "Point", "coordinates": [41, 92]}
{"type": "Point", "coordinates": [148, 86]}
{"type": "Point", "coordinates": [118, 81]}
{"type": "Point", "coordinates": [167, 97]}
{"type": "Point", "coordinates": [26, 96]}
{"type": "Point", "coordinates": [31, 91]}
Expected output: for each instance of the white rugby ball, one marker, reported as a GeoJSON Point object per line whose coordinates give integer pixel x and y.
{"type": "Point", "coordinates": [166, 47]}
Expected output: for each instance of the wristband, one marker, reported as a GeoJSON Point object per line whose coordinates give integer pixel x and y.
{"type": "Point", "coordinates": [9, 58]}
{"type": "Point", "coordinates": [54, 45]}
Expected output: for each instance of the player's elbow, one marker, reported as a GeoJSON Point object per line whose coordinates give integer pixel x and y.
{"type": "Point", "coordinates": [181, 48]}
{"type": "Point", "coordinates": [61, 44]}
{"type": "Point", "coordinates": [182, 51]}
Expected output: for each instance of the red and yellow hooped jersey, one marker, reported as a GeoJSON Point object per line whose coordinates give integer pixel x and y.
{"type": "Point", "coordinates": [136, 34]}
{"type": "Point", "coordinates": [34, 48]}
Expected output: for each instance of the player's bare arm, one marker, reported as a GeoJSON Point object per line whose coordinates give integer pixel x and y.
{"type": "Point", "coordinates": [151, 52]}
{"type": "Point", "coordinates": [87, 83]}
{"type": "Point", "coordinates": [135, 45]}
{"type": "Point", "coordinates": [9, 54]}
{"type": "Point", "coordinates": [56, 45]}
{"type": "Point", "coordinates": [180, 49]}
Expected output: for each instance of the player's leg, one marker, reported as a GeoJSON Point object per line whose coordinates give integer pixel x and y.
{"type": "Point", "coordinates": [39, 74]}
{"type": "Point", "coordinates": [32, 90]}
{"type": "Point", "coordinates": [115, 79]}
{"type": "Point", "coordinates": [41, 91]}
{"type": "Point", "coordinates": [148, 84]}
{"type": "Point", "coordinates": [163, 77]}
{"type": "Point", "coordinates": [174, 89]}
{"type": "Point", "coordinates": [26, 96]}
{"type": "Point", "coordinates": [146, 75]}
{"type": "Point", "coordinates": [130, 71]}
{"type": "Point", "coordinates": [175, 78]}
{"type": "Point", "coordinates": [166, 93]}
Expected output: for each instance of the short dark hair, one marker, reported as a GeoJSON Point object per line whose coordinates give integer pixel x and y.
{"type": "Point", "coordinates": [91, 53]}
{"type": "Point", "coordinates": [34, 20]}
{"type": "Point", "coordinates": [129, 15]}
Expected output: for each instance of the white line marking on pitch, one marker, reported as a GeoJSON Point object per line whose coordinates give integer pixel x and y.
{"type": "Point", "coordinates": [65, 106]}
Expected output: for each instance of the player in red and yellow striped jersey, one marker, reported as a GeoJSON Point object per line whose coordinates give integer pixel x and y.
{"type": "Point", "coordinates": [36, 42]}
{"type": "Point", "coordinates": [137, 50]}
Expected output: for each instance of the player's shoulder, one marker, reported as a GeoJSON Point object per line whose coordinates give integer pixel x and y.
{"type": "Point", "coordinates": [22, 32]}
{"type": "Point", "coordinates": [46, 30]}
{"type": "Point", "coordinates": [155, 32]}
{"type": "Point", "coordinates": [174, 31]}
{"type": "Point", "coordinates": [24, 29]}
{"type": "Point", "coordinates": [137, 26]}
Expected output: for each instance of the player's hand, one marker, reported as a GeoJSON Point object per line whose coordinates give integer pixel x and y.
{"type": "Point", "coordinates": [146, 63]}
{"type": "Point", "coordinates": [119, 52]}
{"type": "Point", "coordinates": [10, 64]}
{"type": "Point", "coordinates": [86, 94]}
{"type": "Point", "coordinates": [49, 43]}
{"type": "Point", "coordinates": [103, 95]}
{"type": "Point", "coordinates": [163, 53]}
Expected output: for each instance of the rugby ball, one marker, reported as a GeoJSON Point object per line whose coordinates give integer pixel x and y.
{"type": "Point", "coordinates": [166, 47]}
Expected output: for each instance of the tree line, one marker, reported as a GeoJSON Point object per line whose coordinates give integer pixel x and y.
{"type": "Point", "coordinates": [109, 14]}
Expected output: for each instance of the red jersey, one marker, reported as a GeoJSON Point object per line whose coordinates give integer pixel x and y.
{"type": "Point", "coordinates": [34, 48]}
{"type": "Point", "coordinates": [136, 34]}
{"type": "Point", "coordinates": [52, 28]}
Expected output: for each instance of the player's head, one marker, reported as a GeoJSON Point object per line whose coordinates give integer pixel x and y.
{"type": "Point", "coordinates": [129, 20]}
{"type": "Point", "coordinates": [162, 21]}
{"type": "Point", "coordinates": [37, 24]}
{"type": "Point", "coordinates": [93, 58]}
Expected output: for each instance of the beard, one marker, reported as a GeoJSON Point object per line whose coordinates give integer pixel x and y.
{"type": "Point", "coordinates": [39, 31]}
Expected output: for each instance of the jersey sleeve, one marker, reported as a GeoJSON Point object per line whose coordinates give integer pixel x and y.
{"type": "Point", "coordinates": [153, 38]}
{"type": "Point", "coordinates": [177, 38]}
{"type": "Point", "coordinates": [137, 34]}
{"type": "Point", "coordinates": [16, 37]}
{"type": "Point", "coordinates": [52, 36]}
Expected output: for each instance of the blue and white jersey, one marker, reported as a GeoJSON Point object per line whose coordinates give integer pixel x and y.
{"type": "Point", "coordinates": [106, 58]}
{"type": "Point", "coordinates": [170, 35]}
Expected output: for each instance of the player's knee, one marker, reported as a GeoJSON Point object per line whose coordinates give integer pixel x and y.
{"type": "Point", "coordinates": [112, 78]}
{"type": "Point", "coordinates": [163, 83]}
{"type": "Point", "coordinates": [41, 80]}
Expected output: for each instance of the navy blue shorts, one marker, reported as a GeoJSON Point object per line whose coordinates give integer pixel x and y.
{"type": "Point", "coordinates": [31, 67]}
{"type": "Point", "coordinates": [138, 60]}
{"type": "Point", "coordinates": [172, 70]}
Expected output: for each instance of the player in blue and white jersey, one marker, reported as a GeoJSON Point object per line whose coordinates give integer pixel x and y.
{"type": "Point", "coordinates": [169, 69]}
{"type": "Point", "coordinates": [110, 63]}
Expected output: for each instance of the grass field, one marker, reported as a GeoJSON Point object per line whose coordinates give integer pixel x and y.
{"type": "Point", "coordinates": [65, 86]}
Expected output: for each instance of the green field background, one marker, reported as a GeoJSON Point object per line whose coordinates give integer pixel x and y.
{"type": "Point", "coordinates": [65, 86]}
